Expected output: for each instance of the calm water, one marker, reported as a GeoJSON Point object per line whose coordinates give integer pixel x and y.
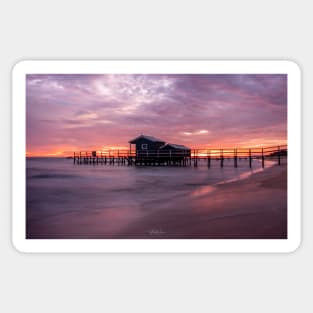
{"type": "Point", "coordinates": [85, 201]}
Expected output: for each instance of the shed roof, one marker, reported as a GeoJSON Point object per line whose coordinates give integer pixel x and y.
{"type": "Point", "coordinates": [150, 138]}
{"type": "Point", "coordinates": [174, 146]}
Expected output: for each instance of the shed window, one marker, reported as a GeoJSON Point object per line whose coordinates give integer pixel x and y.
{"type": "Point", "coordinates": [144, 146]}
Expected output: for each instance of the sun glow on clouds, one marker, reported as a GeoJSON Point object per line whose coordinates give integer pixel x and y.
{"type": "Point", "coordinates": [198, 132]}
{"type": "Point", "coordinates": [67, 112]}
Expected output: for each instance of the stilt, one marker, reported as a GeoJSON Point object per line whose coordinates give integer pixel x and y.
{"type": "Point", "coordinates": [195, 163]}
{"type": "Point", "coordinates": [278, 153]}
{"type": "Point", "coordinates": [209, 159]}
{"type": "Point", "coordinates": [262, 158]}
{"type": "Point", "coordinates": [222, 158]}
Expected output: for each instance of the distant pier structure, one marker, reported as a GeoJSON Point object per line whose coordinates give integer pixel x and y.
{"type": "Point", "coordinates": [150, 151]}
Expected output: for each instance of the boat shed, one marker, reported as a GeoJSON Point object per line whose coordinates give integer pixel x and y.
{"type": "Point", "coordinates": [146, 143]}
{"type": "Point", "coordinates": [175, 150]}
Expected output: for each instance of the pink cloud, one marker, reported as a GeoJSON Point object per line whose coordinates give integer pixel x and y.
{"type": "Point", "coordinates": [85, 111]}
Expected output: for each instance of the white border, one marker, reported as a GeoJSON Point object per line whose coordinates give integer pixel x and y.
{"type": "Point", "coordinates": [155, 245]}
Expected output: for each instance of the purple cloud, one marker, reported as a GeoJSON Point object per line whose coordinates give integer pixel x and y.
{"type": "Point", "coordinates": [93, 111]}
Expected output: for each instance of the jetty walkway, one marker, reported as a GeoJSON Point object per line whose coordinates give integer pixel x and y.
{"type": "Point", "coordinates": [180, 158]}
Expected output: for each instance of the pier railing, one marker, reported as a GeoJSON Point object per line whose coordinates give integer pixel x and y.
{"type": "Point", "coordinates": [181, 157]}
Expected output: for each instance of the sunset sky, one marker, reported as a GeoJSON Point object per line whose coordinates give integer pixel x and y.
{"type": "Point", "coordinates": [67, 113]}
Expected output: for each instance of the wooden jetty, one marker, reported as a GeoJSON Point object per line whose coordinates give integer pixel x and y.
{"type": "Point", "coordinates": [181, 157]}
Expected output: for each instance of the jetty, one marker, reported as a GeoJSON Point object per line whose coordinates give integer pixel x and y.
{"type": "Point", "coordinates": [174, 157]}
{"type": "Point", "coordinates": [151, 151]}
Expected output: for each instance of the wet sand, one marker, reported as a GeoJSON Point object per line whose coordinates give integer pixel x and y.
{"type": "Point", "coordinates": [252, 208]}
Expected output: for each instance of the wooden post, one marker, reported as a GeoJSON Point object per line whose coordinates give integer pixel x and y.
{"type": "Point", "coordinates": [170, 162]}
{"type": "Point", "coordinates": [278, 155]}
{"type": "Point", "coordinates": [262, 158]}
{"type": "Point", "coordinates": [195, 163]}
{"type": "Point", "coordinates": [235, 158]}
{"type": "Point", "coordinates": [209, 159]}
{"type": "Point", "coordinates": [222, 158]}
{"type": "Point", "coordinates": [74, 157]}
{"type": "Point", "coordinates": [147, 159]}
{"type": "Point", "coordinates": [250, 158]}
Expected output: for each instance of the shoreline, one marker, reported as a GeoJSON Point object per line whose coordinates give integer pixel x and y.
{"type": "Point", "coordinates": [251, 208]}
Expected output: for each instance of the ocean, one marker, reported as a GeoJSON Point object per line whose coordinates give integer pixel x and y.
{"type": "Point", "coordinates": [105, 201]}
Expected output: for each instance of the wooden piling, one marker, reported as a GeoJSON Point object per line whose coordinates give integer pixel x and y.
{"type": "Point", "coordinates": [235, 158]}
{"type": "Point", "coordinates": [195, 163]}
{"type": "Point", "coordinates": [250, 159]}
{"type": "Point", "coordinates": [170, 157]}
{"type": "Point", "coordinates": [209, 159]}
{"type": "Point", "coordinates": [222, 158]}
{"type": "Point", "coordinates": [278, 153]}
{"type": "Point", "coordinates": [262, 158]}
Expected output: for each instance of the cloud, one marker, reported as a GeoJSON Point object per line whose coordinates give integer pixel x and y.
{"type": "Point", "coordinates": [107, 110]}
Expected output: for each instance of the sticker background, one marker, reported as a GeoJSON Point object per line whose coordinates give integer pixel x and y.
{"type": "Point", "coordinates": [155, 283]}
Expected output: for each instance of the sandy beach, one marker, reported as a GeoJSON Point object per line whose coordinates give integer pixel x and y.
{"type": "Point", "coordinates": [255, 207]}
